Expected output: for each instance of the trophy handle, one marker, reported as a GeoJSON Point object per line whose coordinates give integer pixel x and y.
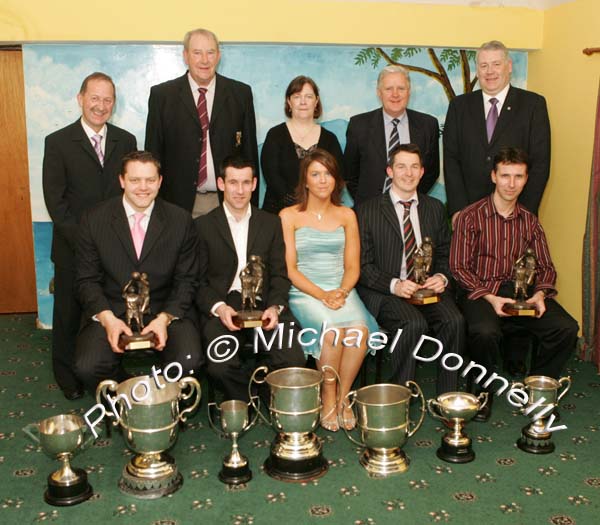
{"type": "Point", "coordinates": [255, 418]}
{"type": "Point", "coordinates": [31, 431]}
{"type": "Point", "coordinates": [483, 399]}
{"type": "Point", "coordinates": [102, 391]}
{"type": "Point", "coordinates": [263, 369]}
{"type": "Point", "coordinates": [566, 381]}
{"type": "Point", "coordinates": [432, 408]}
{"type": "Point", "coordinates": [89, 439]}
{"type": "Point", "coordinates": [194, 389]}
{"type": "Point", "coordinates": [416, 393]}
{"type": "Point", "coordinates": [210, 405]}
{"type": "Point", "coordinates": [517, 384]}
{"type": "Point", "coordinates": [351, 394]}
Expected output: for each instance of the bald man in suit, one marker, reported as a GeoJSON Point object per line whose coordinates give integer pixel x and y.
{"type": "Point", "coordinates": [80, 169]}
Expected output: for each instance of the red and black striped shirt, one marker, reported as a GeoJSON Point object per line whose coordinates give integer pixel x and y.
{"type": "Point", "coordinates": [486, 245]}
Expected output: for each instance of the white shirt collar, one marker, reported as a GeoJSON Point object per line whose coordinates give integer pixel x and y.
{"type": "Point", "coordinates": [90, 132]}
{"type": "Point", "coordinates": [231, 217]}
{"type": "Point", "coordinates": [395, 197]}
{"type": "Point", "coordinates": [388, 118]}
{"type": "Point", "coordinates": [194, 86]}
{"type": "Point", "coordinates": [129, 211]}
{"type": "Point", "coordinates": [501, 97]}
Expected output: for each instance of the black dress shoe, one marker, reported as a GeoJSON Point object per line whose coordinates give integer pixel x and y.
{"type": "Point", "coordinates": [484, 413]}
{"type": "Point", "coordinates": [72, 395]}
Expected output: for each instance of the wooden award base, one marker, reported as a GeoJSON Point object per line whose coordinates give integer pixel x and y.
{"type": "Point", "coordinates": [137, 341]}
{"type": "Point", "coordinates": [249, 319]}
{"type": "Point", "coordinates": [424, 296]}
{"type": "Point", "coordinates": [520, 308]}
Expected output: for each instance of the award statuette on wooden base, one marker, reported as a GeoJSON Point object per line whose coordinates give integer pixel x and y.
{"type": "Point", "coordinates": [424, 296]}
{"type": "Point", "coordinates": [137, 303]}
{"type": "Point", "coordinates": [249, 319]}
{"type": "Point", "coordinates": [520, 308]}
{"type": "Point", "coordinates": [524, 276]}
{"type": "Point", "coordinates": [251, 278]}
{"type": "Point", "coordinates": [423, 260]}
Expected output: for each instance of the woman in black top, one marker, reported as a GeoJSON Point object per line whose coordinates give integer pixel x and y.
{"type": "Point", "coordinates": [287, 143]}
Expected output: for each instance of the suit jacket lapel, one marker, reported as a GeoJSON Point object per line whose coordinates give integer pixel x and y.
{"type": "Point", "coordinates": [377, 135]}
{"type": "Point", "coordinates": [220, 100]}
{"type": "Point", "coordinates": [390, 215]}
{"type": "Point", "coordinates": [223, 229]}
{"type": "Point", "coordinates": [121, 228]}
{"type": "Point", "coordinates": [506, 115]}
{"type": "Point", "coordinates": [111, 142]}
{"type": "Point", "coordinates": [80, 136]}
{"type": "Point", "coordinates": [187, 98]}
{"type": "Point", "coordinates": [155, 228]}
{"type": "Point", "coordinates": [414, 130]}
{"type": "Point", "coordinates": [253, 228]}
{"type": "Point", "coordinates": [477, 116]}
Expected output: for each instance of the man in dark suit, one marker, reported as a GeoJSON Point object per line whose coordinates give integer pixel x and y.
{"type": "Point", "coordinates": [371, 136]}
{"type": "Point", "coordinates": [392, 226]}
{"type": "Point", "coordinates": [136, 233]}
{"type": "Point", "coordinates": [478, 125]}
{"type": "Point", "coordinates": [228, 236]}
{"type": "Point", "coordinates": [81, 167]}
{"type": "Point", "coordinates": [510, 116]}
{"type": "Point", "coordinates": [197, 120]}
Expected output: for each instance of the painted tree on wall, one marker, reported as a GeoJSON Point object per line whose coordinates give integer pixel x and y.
{"type": "Point", "coordinates": [448, 60]}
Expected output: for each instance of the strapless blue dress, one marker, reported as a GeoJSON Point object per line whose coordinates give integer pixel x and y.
{"type": "Point", "coordinates": [320, 257]}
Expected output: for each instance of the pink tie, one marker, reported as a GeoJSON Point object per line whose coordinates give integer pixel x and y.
{"type": "Point", "coordinates": [138, 233]}
{"type": "Point", "coordinates": [97, 140]}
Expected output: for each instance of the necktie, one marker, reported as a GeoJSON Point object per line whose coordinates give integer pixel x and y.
{"type": "Point", "coordinates": [492, 119]}
{"type": "Point", "coordinates": [138, 233]}
{"type": "Point", "coordinates": [394, 141]}
{"type": "Point", "coordinates": [97, 140]}
{"type": "Point", "coordinates": [409, 239]}
{"type": "Point", "coordinates": [204, 123]}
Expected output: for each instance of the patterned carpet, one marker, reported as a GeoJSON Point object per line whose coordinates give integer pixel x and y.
{"type": "Point", "coordinates": [503, 484]}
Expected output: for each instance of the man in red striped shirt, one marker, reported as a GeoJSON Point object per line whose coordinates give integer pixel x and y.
{"type": "Point", "coordinates": [489, 236]}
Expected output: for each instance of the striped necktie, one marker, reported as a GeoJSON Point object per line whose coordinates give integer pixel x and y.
{"type": "Point", "coordinates": [394, 141]}
{"type": "Point", "coordinates": [409, 239]}
{"type": "Point", "coordinates": [204, 123]}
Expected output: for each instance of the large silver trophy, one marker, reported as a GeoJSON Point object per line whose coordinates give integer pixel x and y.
{"type": "Point", "coordinates": [234, 422]}
{"type": "Point", "coordinates": [149, 415]}
{"type": "Point", "coordinates": [535, 439]}
{"type": "Point", "coordinates": [294, 406]}
{"type": "Point", "coordinates": [384, 424]}
{"type": "Point", "coordinates": [60, 437]}
{"type": "Point", "coordinates": [456, 409]}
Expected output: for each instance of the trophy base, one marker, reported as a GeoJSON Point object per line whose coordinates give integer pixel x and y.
{"type": "Point", "coordinates": [535, 443]}
{"type": "Point", "coordinates": [296, 471]}
{"type": "Point", "coordinates": [137, 341]}
{"type": "Point", "coordinates": [235, 475]}
{"type": "Point", "coordinates": [384, 462]}
{"type": "Point", "coordinates": [150, 476]}
{"type": "Point", "coordinates": [249, 319]}
{"type": "Point", "coordinates": [455, 454]}
{"type": "Point", "coordinates": [61, 495]}
{"type": "Point", "coordinates": [424, 296]}
{"type": "Point", "coordinates": [520, 308]}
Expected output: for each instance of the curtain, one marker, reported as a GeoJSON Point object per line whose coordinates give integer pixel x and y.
{"type": "Point", "coordinates": [590, 350]}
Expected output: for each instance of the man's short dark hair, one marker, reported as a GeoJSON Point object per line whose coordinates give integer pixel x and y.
{"type": "Point", "coordinates": [97, 76]}
{"type": "Point", "coordinates": [510, 155]}
{"type": "Point", "coordinates": [408, 148]}
{"type": "Point", "coordinates": [237, 162]}
{"type": "Point", "coordinates": [139, 156]}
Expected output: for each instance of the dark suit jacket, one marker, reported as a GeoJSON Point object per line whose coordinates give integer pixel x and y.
{"type": "Point", "coordinates": [174, 134]}
{"type": "Point", "coordinates": [281, 165]}
{"type": "Point", "coordinates": [74, 180]}
{"type": "Point", "coordinates": [218, 258]}
{"type": "Point", "coordinates": [106, 258]}
{"type": "Point", "coordinates": [365, 156]}
{"type": "Point", "coordinates": [468, 157]}
{"type": "Point", "coordinates": [382, 244]}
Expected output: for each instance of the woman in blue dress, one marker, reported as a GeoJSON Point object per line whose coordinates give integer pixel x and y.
{"type": "Point", "coordinates": [323, 260]}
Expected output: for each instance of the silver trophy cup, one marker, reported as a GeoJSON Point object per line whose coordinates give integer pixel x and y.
{"type": "Point", "coordinates": [61, 437]}
{"type": "Point", "coordinates": [149, 416]}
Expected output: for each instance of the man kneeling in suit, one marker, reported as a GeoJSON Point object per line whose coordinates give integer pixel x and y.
{"type": "Point", "coordinates": [391, 227]}
{"type": "Point", "coordinates": [136, 232]}
{"type": "Point", "coordinates": [227, 237]}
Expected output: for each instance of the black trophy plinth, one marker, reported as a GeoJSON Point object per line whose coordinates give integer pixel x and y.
{"type": "Point", "coordinates": [235, 475]}
{"type": "Point", "coordinates": [297, 470]}
{"type": "Point", "coordinates": [455, 454]}
{"type": "Point", "coordinates": [534, 443]}
{"type": "Point", "coordinates": [65, 495]}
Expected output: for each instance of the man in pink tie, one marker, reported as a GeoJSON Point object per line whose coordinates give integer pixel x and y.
{"type": "Point", "coordinates": [136, 232]}
{"type": "Point", "coordinates": [81, 168]}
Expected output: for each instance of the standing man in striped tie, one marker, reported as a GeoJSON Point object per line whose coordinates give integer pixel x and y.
{"type": "Point", "coordinates": [197, 120]}
{"type": "Point", "coordinates": [371, 136]}
{"type": "Point", "coordinates": [138, 236]}
{"type": "Point", "coordinates": [81, 168]}
{"type": "Point", "coordinates": [392, 226]}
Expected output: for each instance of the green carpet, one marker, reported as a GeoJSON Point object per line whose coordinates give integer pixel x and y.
{"type": "Point", "coordinates": [503, 484]}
